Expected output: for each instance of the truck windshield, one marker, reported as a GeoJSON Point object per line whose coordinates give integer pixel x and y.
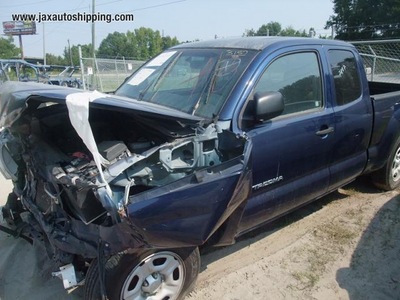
{"type": "Point", "coordinates": [195, 81]}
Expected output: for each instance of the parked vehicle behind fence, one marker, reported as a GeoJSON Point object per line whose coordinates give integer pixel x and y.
{"type": "Point", "coordinates": [21, 70]}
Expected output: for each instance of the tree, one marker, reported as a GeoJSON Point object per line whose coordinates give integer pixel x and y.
{"type": "Point", "coordinates": [141, 43]}
{"type": "Point", "coordinates": [52, 59]}
{"type": "Point", "coordinates": [116, 44]}
{"type": "Point", "coordinates": [86, 52]}
{"type": "Point", "coordinates": [249, 32]}
{"type": "Point", "coordinates": [290, 31]}
{"type": "Point", "coordinates": [272, 28]}
{"type": "Point", "coordinates": [168, 42]}
{"type": "Point", "coordinates": [8, 49]}
{"type": "Point", "coordinates": [365, 19]}
{"type": "Point", "coordinates": [275, 28]}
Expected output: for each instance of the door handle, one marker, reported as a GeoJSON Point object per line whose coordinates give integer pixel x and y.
{"type": "Point", "coordinates": [325, 130]}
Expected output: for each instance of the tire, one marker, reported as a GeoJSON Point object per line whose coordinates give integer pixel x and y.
{"type": "Point", "coordinates": [75, 84]}
{"type": "Point", "coordinates": [159, 274]}
{"type": "Point", "coordinates": [388, 178]}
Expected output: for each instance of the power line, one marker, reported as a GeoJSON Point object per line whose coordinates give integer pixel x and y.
{"type": "Point", "coordinates": [155, 6]}
{"type": "Point", "coordinates": [26, 4]}
{"type": "Point", "coordinates": [107, 3]}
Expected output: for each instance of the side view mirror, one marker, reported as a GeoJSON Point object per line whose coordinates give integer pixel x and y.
{"type": "Point", "coordinates": [268, 105]}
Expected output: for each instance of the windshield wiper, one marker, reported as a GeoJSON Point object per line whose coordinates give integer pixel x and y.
{"type": "Point", "coordinates": [209, 84]}
{"type": "Point", "coordinates": [155, 84]}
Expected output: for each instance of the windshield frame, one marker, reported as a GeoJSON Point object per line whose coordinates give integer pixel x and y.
{"type": "Point", "coordinates": [196, 81]}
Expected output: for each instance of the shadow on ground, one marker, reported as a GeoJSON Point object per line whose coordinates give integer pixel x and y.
{"type": "Point", "coordinates": [374, 271]}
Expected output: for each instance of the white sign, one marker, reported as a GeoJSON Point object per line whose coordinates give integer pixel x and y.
{"type": "Point", "coordinates": [159, 60]}
{"type": "Point", "coordinates": [141, 76]}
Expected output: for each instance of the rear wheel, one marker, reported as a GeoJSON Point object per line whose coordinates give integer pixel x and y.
{"type": "Point", "coordinates": [156, 275]}
{"type": "Point", "coordinates": [388, 178]}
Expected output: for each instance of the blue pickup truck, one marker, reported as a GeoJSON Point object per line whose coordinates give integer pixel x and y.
{"type": "Point", "coordinates": [204, 143]}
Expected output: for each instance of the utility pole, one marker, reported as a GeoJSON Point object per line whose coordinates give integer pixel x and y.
{"type": "Point", "coordinates": [70, 53]}
{"type": "Point", "coordinates": [93, 30]}
{"type": "Point", "coordinates": [92, 76]}
{"type": "Point", "coordinates": [21, 46]}
{"type": "Point", "coordinates": [44, 47]}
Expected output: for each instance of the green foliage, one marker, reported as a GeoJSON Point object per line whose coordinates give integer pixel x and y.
{"type": "Point", "coordinates": [290, 31]}
{"type": "Point", "coordinates": [52, 59]}
{"type": "Point", "coordinates": [249, 32]}
{"type": "Point", "coordinates": [168, 42]}
{"type": "Point", "coordinates": [365, 19]}
{"type": "Point", "coordinates": [86, 52]}
{"type": "Point", "coordinates": [275, 28]}
{"type": "Point", "coordinates": [142, 44]}
{"type": "Point", "coordinates": [272, 28]}
{"type": "Point", "coordinates": [8, 49]}
{"type": "Point", "coordinates": [116, 44]}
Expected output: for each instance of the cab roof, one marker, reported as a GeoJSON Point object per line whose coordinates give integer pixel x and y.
{"type": "Point", "coordinates": [259, 42]}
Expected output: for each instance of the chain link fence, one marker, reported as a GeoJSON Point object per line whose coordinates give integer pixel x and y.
{"type": "Point", "coordinates": [381, 59]}
{"type": "Point", "coordinates": [105, 75]}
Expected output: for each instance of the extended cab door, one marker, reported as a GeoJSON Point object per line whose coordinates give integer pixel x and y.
{"type": "Point", "coordinates": [353, 116]}
{"type": "Point", "coordinates": [290, 152]}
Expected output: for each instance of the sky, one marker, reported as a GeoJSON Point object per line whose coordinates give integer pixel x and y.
{"type": "Point", "coordinates": [187, 20]}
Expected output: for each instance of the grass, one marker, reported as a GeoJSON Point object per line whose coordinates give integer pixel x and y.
{"type": "Point", "coordinates": [336, 233]}
{"type": "Point", "coordinates": [327, 243]}
{"type": "Point", "coordinates": [306, 279]}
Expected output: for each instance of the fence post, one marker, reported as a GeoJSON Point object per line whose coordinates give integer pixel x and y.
{"type": "Point", "coordinates": [116, 69]}
{"type": "Point", "coordinates": [373, 62]}
{"type": "Point", "coordinates": [82, 68]}
{"type": "Point", "coordinates": [98, 74]}
{"type": "Point", "coordinates": [126, 71]}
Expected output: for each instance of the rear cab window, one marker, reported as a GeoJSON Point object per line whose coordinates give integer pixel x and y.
{"type": "Point", "coordinates": [345, 74]}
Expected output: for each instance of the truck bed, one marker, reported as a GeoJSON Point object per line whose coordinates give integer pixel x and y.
{"type": "Point", "coordinates": [385, 100]}
{"type": "Point", "coordinates": [376, 88]}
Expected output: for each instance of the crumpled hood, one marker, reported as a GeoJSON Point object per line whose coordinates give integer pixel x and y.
{"type": "Point", "coordinates": [14, 97]}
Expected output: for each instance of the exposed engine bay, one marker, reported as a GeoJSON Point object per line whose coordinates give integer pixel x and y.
{"type": "Point", "coordinates": [69, 202]}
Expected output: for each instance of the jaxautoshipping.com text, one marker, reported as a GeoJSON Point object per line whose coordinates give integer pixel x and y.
{"type": "Point", "coordinates": [73, 17]}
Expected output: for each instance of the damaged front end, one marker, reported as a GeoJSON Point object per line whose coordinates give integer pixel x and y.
{"type": "Point", "coordinates": [95, 175]}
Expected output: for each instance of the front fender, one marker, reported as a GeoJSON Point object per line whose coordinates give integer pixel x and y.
{"type": "Point", "coordinates": [188, 211]}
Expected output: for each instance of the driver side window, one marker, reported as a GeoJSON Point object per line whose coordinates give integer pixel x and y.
{"type": "Point", "coordinates": [297, 77]}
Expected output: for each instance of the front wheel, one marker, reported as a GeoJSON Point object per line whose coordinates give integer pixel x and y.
{"type": "Point", "coordinates": [388, 178]}
{"type": "Point", "coordinates": [156, 275]}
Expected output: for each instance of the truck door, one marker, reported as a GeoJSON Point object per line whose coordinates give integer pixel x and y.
{"type": "Point", "coordinates": [353, 117]}
{"type": "Point", "coordinates": [291, 151]}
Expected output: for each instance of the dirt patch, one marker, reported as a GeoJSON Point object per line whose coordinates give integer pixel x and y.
{"type": "Point", "coordinates": [343, 246]}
